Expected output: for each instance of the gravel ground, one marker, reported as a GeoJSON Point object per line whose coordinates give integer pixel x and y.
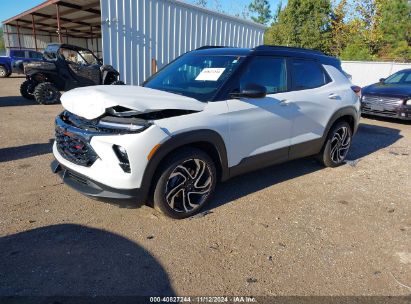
{"type": "Point", "coordinates": [292, 229]}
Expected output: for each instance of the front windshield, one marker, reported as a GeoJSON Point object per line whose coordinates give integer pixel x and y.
{"type": "Point", "coordinates": [194, 75]}
{"type": "Point", "coordinates": [402, 77]}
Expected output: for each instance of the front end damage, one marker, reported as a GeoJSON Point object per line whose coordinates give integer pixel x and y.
{"type": "Point", "coordinates": [105, 157]}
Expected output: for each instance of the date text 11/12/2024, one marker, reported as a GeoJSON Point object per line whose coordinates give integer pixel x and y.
{"type": "Point", "coordinates": [201, 299]}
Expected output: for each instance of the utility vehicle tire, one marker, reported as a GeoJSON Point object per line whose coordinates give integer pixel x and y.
{"type": "Point", "coordinates": [27, 89]}
{"type": "Point", "coordinates": [337, 144]}
{"type": "Point", "coordinates": [3, 72]}
{"type": "Point", "coordinates": [118, 82]}
{"type": "Point", "coordinates": [185, 184]}
{"type": "Point", "coordinates": [46, 93]}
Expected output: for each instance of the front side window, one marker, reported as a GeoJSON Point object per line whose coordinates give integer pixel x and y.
{"type": "Point", "coordinates": [194, 75]}
{"type": "Point", "coordinates": [35, 55]}
{"type": "Point", "coordinates": [306, 74]}
{"type": "Point", "coordinates": [72, 56]}
{"type": "Point", "coordinates": [268, 72]}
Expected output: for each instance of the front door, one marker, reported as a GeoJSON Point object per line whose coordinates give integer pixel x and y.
{"type": "Point", "coordinates": [260, 129]}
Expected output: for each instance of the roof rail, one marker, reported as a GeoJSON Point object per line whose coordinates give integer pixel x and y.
{"type": "Point", "coordinates": [204, 47]}
{"type": "Point", "coordinates": [266, 47]}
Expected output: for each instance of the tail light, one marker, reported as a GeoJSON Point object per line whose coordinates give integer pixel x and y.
{"type": "Point", "coordinates": [357, 90]}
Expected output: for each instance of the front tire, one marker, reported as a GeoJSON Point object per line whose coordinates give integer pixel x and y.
{"type": "Point", "coordinates": [27, 89]}
{"type": "Point", "coordinates": [336, 147]}
{"type": "Point", "coordinates": [46, 93]}
{"type": "Point", "coordinates": [186, 183]}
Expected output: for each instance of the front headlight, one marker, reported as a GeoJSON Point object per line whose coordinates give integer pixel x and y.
{"type": "Point", "coordinates": [408, 102]}
{"type": "Point", "coordinates": [124, 124]}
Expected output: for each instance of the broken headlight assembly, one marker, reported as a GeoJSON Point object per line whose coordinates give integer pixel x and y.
{"type": "Point", "coordinates": [107, 123]}
{"type": "Point", "coordinates": [123, 124]}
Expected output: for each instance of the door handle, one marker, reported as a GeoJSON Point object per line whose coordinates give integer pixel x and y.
{"type": "Point", "coordinates": [334, 96]}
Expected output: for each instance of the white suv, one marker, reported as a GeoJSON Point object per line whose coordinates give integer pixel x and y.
{"type": "Point", "coordinates": [209, 115]}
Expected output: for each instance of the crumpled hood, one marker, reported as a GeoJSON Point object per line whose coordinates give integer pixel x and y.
{"type": "Point", "coordinates": [92, 102]}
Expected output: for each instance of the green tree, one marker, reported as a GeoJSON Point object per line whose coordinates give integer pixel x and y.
{"type": "Point", "coordinates": [395, 26]}
{"type": "Point", "coordinates": [356, 51]}
{"type": "Point", "coordinates": [369, 18]}
{"type": "Point", "coordinates": [202, 3]}
{"type": "Point", "coordinates": [277, 12]}
{"type": "Point", "coordinates": [260, 11]}
{"type": "Point", "coordinates": [303, 23]}
{"type": "Point", "coordinates": [340, 29]}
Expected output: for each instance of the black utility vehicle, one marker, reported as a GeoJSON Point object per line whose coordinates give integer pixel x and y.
{"type": "Point", "coordinates": [65, 67]}
{"type": "Point", "coordinates": [390, 97]}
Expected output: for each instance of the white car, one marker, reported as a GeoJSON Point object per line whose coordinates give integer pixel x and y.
{"type": "Point", "coordinates": [209, 115]}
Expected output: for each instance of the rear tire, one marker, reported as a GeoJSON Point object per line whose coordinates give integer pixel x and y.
{"type": "Point", "coordinates": [47, 93]}
{"type": "Point", "coordinates": [186, 183]}
{"type": "Point", "coordinates": [337, 145]}
{"type": "Point", "coordinates": [3, 72]}
{"type": "Point", "coordinates": [27, 89]}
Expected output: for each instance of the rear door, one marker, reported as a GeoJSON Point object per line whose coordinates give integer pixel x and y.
{"type": "Point", "coordinates": [316, 97]}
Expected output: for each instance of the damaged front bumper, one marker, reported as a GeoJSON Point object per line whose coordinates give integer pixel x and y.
{"type": "Point", "coordinates": [95, 189]}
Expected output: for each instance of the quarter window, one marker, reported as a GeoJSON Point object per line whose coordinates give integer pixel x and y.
{"type": "Point", "coordinates": [268, 72]}
{"type": "Point", "coordinates": [307, 74]}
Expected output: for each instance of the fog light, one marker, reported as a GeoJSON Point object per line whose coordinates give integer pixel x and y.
{"type": "Point", "coordinates": [122, 156]}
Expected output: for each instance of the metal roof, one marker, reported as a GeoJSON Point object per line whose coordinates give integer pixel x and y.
{"type": "Point", "coordinates": [76, 18]}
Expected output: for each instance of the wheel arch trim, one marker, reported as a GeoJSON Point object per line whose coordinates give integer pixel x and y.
{"type": "Point", "coordinates": [345, 111]}
{"type": "Point", "coordinates": [179, 141]}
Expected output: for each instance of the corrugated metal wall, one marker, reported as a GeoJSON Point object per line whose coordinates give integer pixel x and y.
{"type": "Point", "coordinates": [135, 31]}
{"type": "Point", "coordinates": [43, 38]}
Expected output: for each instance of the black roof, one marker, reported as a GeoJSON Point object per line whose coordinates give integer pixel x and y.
{"type": "Point", "coordinates": [66, 46]}
{"type": "Point", "coordinates": [271, 50]}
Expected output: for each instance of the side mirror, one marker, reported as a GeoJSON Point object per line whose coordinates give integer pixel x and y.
{"type": "Point", "coordinates": [382, 80]}
{"type": "Point", "coordinates": [251, 90]}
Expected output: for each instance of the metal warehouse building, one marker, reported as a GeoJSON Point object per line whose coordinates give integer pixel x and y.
{"type": "Point", "coordinates": [135, 36]}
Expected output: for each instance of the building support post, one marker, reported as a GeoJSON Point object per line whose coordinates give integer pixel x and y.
{"type": "Point", "coordinates": [58, 22]}
{"type": "Point", "coordinates": [34, 32]}
{"type": "Point", "coordinates": [153, 66]}
{"type": "Point", "coordinates": [18, 33]}
{"type": "Point", "coordinates": [91, 37]}
{"type": "Point", "coordinates": [8, 35]}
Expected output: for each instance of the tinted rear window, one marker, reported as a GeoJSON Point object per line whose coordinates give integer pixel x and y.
{"type": "Point", "coordinates": [306, 74]}
{"type": "Point", "coordinates": [19, 54]}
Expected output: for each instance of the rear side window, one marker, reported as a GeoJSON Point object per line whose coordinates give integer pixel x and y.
{"type": "Point", "coordinates": [19, 54]}
{"type": "Point", "coordinates": [268, 72]}
{"type": "Point", "coordinates": [306, 74]}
